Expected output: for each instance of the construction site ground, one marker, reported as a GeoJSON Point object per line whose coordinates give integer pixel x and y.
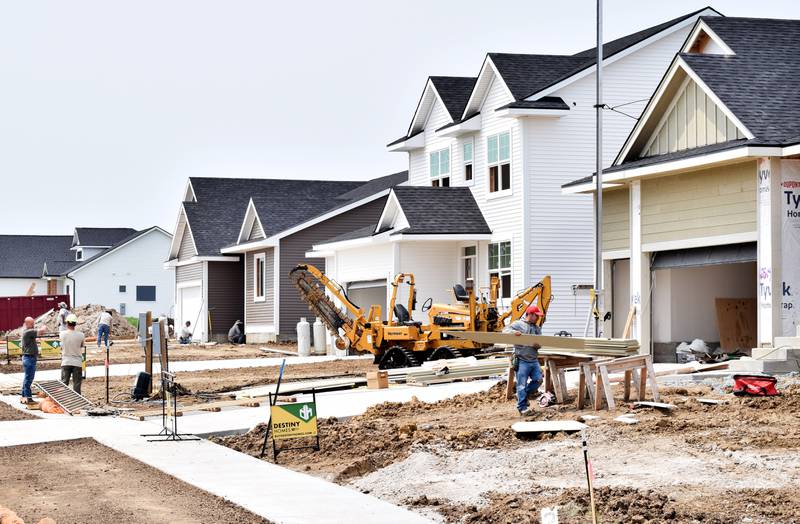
{"type": "Point", "coordinates": [457, 460]}
{"type": "Point", "coordinates": [9, 413]}
{"type": "Point", "coordinates": [129, 352]}
{"type": "Point", "coordinates": [84, 481]}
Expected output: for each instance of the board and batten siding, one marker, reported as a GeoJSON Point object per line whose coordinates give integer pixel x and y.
{"type": "Point", "coordinates": [560, 150]}
{"type": "Point", "coordinates": [225, 292]}
{"type": "Point", "coordinates": [189, 272]}
{"type": "Point", "coordinates": [260, 312]}
{"type": "Point", "coordinates": [186, 249]}
{"type": "Point", "coordinates": [293, 250]}
{"type": "Point", "coordinates": [616, 220]}
{"type": "Point", "coordinates": [704, 203]}
{"type": "Point", "coordinates": [692, 120]}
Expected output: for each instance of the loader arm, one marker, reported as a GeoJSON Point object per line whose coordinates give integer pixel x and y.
{"type": "Point", "coordinates": [539, 294]}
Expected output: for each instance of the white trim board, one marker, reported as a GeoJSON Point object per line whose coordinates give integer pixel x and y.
{"type": "Point", "coordinates": [189, 283]}
{"type": "Point", "coordinates": [690, 243]}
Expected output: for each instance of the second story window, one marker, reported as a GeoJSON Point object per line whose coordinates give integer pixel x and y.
{"type": "Point", "coordinates": [467, 159]}
{"type": "Point", "coordinates": [498, 158]}
{"type": "Point", "coordinates": [440, 168]}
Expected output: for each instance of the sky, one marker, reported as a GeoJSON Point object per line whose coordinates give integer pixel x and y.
{"type": "Point", "coordinates": [107, 107]}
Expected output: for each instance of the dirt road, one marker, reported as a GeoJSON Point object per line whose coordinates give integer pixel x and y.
{"type": "Point", "coordinates": [82, 481]}
{"type": "Point", "coordinates": [458, 461]}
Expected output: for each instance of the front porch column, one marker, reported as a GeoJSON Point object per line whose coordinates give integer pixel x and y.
{"type": "Point", "coordinates": [640, 272]}
{"type": "Point", "coordinates": [769, 250]}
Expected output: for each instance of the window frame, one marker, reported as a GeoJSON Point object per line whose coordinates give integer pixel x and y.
{"type": "Point", "coordinates": [78, 255]}
{"type": "Point", "coordinates": [471, 162]}
{"type": "Point", "coordinates": [262, 258]}
{"type": "Point", "coordinates": [436, 181]}
{"type": "Point", "coordinates": [463, 263]}
{"type": "Point", "coordinates": [139, 292]}
{"type": "Point", "coordinates": [499, 163]}
{"type": "Point", "coordinates": [501, 270]}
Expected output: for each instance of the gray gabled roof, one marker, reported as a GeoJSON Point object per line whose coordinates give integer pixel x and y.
{"type": "Point", "coordinates": [23, 256]}
{"type": "Point", "coordinates": [440, 210]}
{"type": "Point", "coordinates": [100, 236]}
{"type": "Point", "coordinates": [454, 91]}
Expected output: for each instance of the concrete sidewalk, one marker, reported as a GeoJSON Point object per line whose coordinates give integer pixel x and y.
{"type": "Point", "coordinates": [14, 380]}
{"type": "Point", "coordinates": [274, 492]}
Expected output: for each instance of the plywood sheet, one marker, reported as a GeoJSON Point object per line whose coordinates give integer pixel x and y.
{"type": "Point", "coordinates": [736, 321]}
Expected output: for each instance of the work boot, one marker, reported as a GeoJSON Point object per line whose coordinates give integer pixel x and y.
{"type": "Point", "coordinates": [527, 412]}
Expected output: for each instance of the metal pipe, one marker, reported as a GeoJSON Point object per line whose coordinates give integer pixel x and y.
{"type": "Point", "coordinates": [598, 269]}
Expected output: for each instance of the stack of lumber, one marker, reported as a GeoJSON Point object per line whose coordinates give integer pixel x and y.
{"type": "Point", "coordinates": [304, 386]}
{"type": "Point", "coordinates": [443, 371]}
{"type": "Point", "coordinates": [601, 347]}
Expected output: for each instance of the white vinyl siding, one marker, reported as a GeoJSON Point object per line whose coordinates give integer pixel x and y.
{"type": "Point", "coordinates": [560, 150]}
{"type": "Point", "coordinates": [691, 120]}
{"type": "Point", "coordinates": [419, 171]}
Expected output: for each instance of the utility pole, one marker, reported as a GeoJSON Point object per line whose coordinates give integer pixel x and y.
{"type": "Point", "coordinates": [598, 212]}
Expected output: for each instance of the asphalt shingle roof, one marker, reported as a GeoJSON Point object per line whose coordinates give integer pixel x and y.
{"type": "Point", "coordinates": [546, 102]}
{"type": "Point", "coordinates": [102, 236]}
{"type": "Point", "coordinates": [454, 91]}
{"type": "Point", "coordinates": [23, 256]}
{"type": "Point", "coordinates": [440, 210]}
{"type": "Point", "coordinates": [216, 217]}
{"type": "Point", "coordinates": [527, 74]}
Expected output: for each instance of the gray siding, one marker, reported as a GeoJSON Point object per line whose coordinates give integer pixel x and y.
{"type": "Point", "coordinates": [189, 272]}
{"type": "Point", "coordinates": [225, 291]}
{"type": "Point", "coordinates": [256, 231]}
{"type": "Point", "coordinates": [260, 312]}
{"type": "Point", "coordinates": [293, 249]}
{"type": "Point", "coordinates": [187, 247]}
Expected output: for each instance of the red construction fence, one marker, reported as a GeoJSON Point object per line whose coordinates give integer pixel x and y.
{"type": "Point", "coordinates": [13, 310]}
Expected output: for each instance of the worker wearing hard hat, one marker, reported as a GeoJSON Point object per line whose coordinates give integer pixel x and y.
{"type": "Point", "coordinates": [526, 358]}
{"type": "Point", "coordinates": [72, 354]}
{"type": "Point", "coordinates": [63, 311]}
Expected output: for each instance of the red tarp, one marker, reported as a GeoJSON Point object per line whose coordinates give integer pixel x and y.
{"type": "Point", "coordinates": [13, 310]}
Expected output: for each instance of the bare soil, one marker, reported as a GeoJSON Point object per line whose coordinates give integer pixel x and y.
{"type": "Point", "coordinates": [458, 460]}
{"type": "Point", "coordinates": [130, 352]}
{"type": "Point", "coordinates": [81, 481]}
{"type": "Point", "coordinates": [9, 413]}
{"type": "Point", "coordinates": [205, 385]}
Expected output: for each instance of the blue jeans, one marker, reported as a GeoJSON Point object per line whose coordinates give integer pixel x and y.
{"type": "Point", "coordinates": [527, 370]}
{"type": "Point", "coordinates": [29, 366]}
{"type": "Point", "coordinates": [103, 331]}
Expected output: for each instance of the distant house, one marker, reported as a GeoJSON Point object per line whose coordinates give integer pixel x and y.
{"type": "Point", "coordinates": [508, 138]}
{"type": "Point", "coordinates": [120, 268]}
{"type": "Point", "coordinates": [702, 201]}
{"type": "Point", "coordinates": [21, 261]}
{"type": "Point", "coordinates": [236, 239]}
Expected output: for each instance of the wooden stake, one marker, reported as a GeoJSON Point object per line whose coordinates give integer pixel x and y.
{"type": "Point", "coordinates": [626, 333]}
{"type": "Point", "coordinates": [148, 352]}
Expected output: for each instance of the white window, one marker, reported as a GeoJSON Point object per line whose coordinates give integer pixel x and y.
{"type": "Point", "coordinates": [259, 277]}
{"type": "Point", "coordinates": [500, 266]}
{"type": "Point", "coordinates": [440, 168]}
{"type": "Point", "coordinates": [467, 155]}
{"type": "Point", "coordinates": [469, 259]}
{"type": "Point", "coordinates": [498, 159]}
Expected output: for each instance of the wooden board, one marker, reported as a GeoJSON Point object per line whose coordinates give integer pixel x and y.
{"type": "Point", "coordinates": [593, 346]}
{"type": "Point", "coordinates": [547, 426]}
{"type": "Point", "coordinates": [657, 405]}
{"type": "Point", "coordinates": [736, 321]}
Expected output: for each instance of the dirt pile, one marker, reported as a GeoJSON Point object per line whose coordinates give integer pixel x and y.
{"type": "Point", "coordinates": [88, 317]}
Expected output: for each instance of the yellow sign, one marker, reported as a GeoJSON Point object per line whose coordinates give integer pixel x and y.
{"type": "Point", "coordinates": [48, 347]}
{"type": "Point", "coordinates": [294, 420]}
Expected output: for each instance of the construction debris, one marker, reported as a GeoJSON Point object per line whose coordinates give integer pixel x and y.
{"type": "Point", "coordinates": [657, 405]}
{"type": "Point", "coordinates": [88, 316]}
{"type": "Point", "coordinates": [626, 419]}
{"type": "Point", "coordinates": [548, 426]}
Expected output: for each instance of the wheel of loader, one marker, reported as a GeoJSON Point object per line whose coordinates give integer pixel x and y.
{"type": "Point", "coordinates": [445, 352]}
{"type": "Point", "coordinates": [398, 357]}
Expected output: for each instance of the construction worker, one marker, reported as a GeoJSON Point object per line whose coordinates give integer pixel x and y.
{"type": "Point", "coordinates": [72, 354]}
{"type": "Point", "coordinates": [62, 316]}
{"type": "Point", "coordinates": [104, 326]}
{"type": "Point", "coordinates": [235, 335]}
{"type": "Point", "coordinates": [186, 334]}
{"type": "Point", "coordinates": [526, 358]}
{"type": "Point", "coordinates": [30, 355]}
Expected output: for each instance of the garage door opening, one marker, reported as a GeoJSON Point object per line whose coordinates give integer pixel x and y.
{"type": "Point", "coordinates": [190, 303]}
{"type": "Point", "coordinates": [685, 287]}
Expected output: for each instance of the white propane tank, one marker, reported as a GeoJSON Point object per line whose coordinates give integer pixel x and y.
{"type": "Point", "coordinates": [303, 338]}
{"type": "Point", "coordinates": [319, 337]}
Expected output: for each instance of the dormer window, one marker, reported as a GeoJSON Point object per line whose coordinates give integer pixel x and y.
{"type": "Point", "coordinates": [440, 168]}
{"type": "Point", "coordinates": [79, 255]}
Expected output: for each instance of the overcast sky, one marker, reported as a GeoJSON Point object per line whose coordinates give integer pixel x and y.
{"type": "Point", "coordinates": [106, 107]}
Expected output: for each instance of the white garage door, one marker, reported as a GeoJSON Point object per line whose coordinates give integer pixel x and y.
{"type": "Point", "coordinates": [190, 300]}
{"type": "Point", "coordinates": [367, 293]}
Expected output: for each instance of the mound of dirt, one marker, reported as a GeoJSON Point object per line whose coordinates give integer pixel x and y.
{"type": "Point", "coordinates": [88, 317]}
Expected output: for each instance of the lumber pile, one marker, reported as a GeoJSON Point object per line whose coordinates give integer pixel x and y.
{"type": "Point", "coordinates": [601, 347]}
{"type": "Point", "coordinates": [443, 371]}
